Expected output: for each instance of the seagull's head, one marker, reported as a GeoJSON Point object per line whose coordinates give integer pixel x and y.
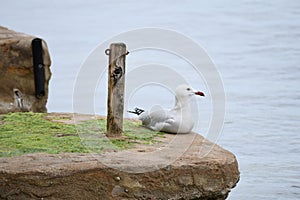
{"type": "Point", "coordinates": [186, 91]}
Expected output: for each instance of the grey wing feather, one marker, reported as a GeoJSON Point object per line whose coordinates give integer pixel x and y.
{"type": "Point", "coordinates": [157, 116]}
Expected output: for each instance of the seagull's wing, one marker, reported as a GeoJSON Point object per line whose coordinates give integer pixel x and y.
{"type": "Point", "coordinates": [167, 121]}
{"type": "Point", "coordinates": [156, 119]}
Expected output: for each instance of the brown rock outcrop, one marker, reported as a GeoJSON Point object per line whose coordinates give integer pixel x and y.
{"type": "Point", "coordinates": [208, 175]}
{"type": "Point", "coordinates": [17, 73]}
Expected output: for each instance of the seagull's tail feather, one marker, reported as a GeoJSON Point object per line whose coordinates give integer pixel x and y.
{"type": "Point", "coordinates": [136, 111]}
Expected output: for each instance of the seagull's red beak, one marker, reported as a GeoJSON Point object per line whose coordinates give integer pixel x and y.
{"type": "Point", "coordinates": [199, 93]}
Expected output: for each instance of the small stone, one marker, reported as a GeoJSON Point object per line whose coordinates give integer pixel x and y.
{"type": "Point", "coordinates": [118, 178]}
{"type": "Point", "coordinates": [168, 167]}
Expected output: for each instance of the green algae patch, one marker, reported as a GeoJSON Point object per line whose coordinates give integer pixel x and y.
{"type": "Point", "coordinates": [24, 133]}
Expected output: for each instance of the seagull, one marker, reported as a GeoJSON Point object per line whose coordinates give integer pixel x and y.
{"type": "Point", "coordinates": [177, 120]}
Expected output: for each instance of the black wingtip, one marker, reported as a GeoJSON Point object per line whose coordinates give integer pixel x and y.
{"type": "Point", "coordinates": [136, 111]}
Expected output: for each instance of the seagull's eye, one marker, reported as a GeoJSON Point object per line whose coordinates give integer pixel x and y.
{"type": "Point", "coordinates": [188, 89]}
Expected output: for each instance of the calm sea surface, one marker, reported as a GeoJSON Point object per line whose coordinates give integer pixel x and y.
{"type": "Point", "coordinates": [255, 44]}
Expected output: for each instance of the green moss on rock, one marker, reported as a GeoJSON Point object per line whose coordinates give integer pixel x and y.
{"type": "Point", "coordinates": [23, 133]}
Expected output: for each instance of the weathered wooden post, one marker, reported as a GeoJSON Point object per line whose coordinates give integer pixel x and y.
{"type": "Point", "coordinates": [116, 84]}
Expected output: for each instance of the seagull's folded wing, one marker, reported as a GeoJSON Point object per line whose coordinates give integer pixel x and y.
{"type": "Point", "coordinates": [151, 118]}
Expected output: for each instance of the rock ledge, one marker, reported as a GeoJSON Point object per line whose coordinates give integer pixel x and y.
{"type": "Point", "coordinates": [204, 171]}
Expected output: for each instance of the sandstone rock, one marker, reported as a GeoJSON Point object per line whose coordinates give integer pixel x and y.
{"type": "Point", "coordinates": [194, 175]}
{"type": "Point", "coordinates": [17, 75]}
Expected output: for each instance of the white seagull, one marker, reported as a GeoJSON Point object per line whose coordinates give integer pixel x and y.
{"type": "Point", "coordinates": [177, 120]}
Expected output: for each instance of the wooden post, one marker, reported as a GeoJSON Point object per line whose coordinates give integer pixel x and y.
{"type": "Point", "coordinates": [116, 84]}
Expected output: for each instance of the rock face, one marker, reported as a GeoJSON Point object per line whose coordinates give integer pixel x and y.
{"type": "Point", "coordinates": [17, 74]}
{"type": "Point", "coordinates": [194, 175]}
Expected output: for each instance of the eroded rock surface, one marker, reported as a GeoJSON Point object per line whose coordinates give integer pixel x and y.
{"type": "Point", "coordinates": [16, 69]}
